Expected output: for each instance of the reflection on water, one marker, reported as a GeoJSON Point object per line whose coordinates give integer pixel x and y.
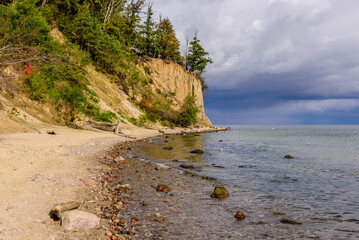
{"type": "Point", "coordinates": [181, 144]}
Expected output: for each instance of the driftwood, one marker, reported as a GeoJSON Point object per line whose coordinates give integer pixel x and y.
{"type": "Point", "coordinates": [63, 207]}
{"type": "Point", "coordinates": [108, 127]}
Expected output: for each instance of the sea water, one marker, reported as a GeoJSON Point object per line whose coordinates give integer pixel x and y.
{"type": "Point", "coordinates": [319, 187]}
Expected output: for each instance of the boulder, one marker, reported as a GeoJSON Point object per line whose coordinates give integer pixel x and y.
{"type": "Point", "coordinates": [220, 192]}
{"type": "Point", "coordinates": [288, 156]}
{"type": "Point", "coordinates": [197, 151]}
{"type": "Point", "coordinates": [240, 215]}
{"type": "Point", "coordinates": [77, 219]}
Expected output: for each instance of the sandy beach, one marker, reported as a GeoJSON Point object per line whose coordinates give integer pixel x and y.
{"type": "Point", "coordinates": [40, 170]}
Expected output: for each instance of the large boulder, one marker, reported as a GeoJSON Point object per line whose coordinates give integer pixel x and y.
{"type": "Point", "coordinates": [220, 192]}
{"type": "Point", "coordinates": [77, 219]}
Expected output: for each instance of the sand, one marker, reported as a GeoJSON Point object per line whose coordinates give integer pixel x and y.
{"type": "Point", "coordinates": [39, 170]}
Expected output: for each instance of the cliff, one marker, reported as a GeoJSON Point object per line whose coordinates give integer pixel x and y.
{"type": "Point", "coordinates": [171, 78]}
{"type": "Point", "coordinates": [169, 82]}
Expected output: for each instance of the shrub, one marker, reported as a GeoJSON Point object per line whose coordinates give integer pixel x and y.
{"type": "Point", "coordinates": [188, 116]}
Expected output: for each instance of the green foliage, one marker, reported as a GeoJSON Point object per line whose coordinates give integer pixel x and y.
{"type": "Point", "coordinates": [147, 44]}
{"type": "Point", "coordinates": [188, 115]}
{"type": "Point", "coordinates": [36, 86]}
{"type": "Point", "coordinates": [107, 34]}
{"type": "Point", "coordinates": [168, 44]}
{"type": "Point", "coordinates": [197, 59]}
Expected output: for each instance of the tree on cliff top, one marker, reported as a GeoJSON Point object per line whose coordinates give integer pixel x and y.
{"type": "Point", "coordinates": [197, 59]}
{"type": "Point", "coordinates": [168, 44]}
{"type": "Point", "coordinates": [147, 41]}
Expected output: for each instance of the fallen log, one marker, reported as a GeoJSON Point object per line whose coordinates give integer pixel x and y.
{"type": "Point", "coordinates": [63, 207]}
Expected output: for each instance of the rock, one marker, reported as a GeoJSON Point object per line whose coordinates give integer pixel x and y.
{"type": "Point", "coordinates": [240, 215]}
{"type": "Point", "coordinates": [197, 151]}
{"type": "Point", "coordinates": [192, 167]}
{"type": "Point", "coordinates": [289, 221]}
{"type": "Point", "coordinates": [288, 157]}
{"type": "Point", "coordinates": [278, 214]}
{"type": "Point", "coordinates": [123, 186]}
{"type": "Point", "coordinates": [51, 133]}
{"type": "Point", "coordinates": [76, 219]}
{"type": "Point", "coordinates": [120, 159]}
{"type": "Point", "coordinates": [220, 141]}
{"type": "Point", "coordinates": [168, 148]}
{"type": "Point", "coordinates": [220, 192]}
{"type": "Point", "coordinates": [187, 166]}
{"type": "Point", "coordinates": [175, 160]}
{"type": "Point", "coordinates": [88, 181]}
{"type": "Point", "coordinates": [163, 188]}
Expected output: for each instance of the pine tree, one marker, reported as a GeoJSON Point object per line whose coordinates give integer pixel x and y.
{"type": "Point", "coordinates": [147, 39]}
{"type": "Point", "coordinates": [197, 60]}
{"type": "Point", "coordinates": [167, 42]}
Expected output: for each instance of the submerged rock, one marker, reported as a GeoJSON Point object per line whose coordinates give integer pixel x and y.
{"type": "Point", "coordinates": [187, 166]}
{"type": "Point", "coordinates": [197, 151]}
{"type": "Point", "coordinates": [192, 167]}
{"type": "Point", "coordinates": [240, 215]}
{"type": "Point", "coordinates": [220, 192]}
{"type": "Point", "coordinates": [168, 148]}
{"type": "Point", "coordinates": [163, 188]}
{"type": "Point", "coordinates": [289, 221]}
{"type": "Point", "coordinates": [288, 156]}
{"type": "Point", "coordinates": [76, 219]}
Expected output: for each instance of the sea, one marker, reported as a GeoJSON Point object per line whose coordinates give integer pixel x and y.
{"type": "Point", "coordinates": [318, 189]}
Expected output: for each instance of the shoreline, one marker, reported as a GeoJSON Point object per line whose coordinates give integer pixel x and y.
{"type": "Point", "coordinates": [41, 170]}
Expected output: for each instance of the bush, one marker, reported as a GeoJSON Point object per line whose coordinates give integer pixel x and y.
{"type": "Point", "coordinates": [36, 86]}
{"type": "Point", "coordinates": [188, 116]}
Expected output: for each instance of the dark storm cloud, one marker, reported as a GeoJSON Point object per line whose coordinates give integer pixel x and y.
{"type": "Point", "coordinates": [277, 60]}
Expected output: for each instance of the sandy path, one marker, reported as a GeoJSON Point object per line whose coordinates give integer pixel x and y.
{"type": "Point", "coordinates": [39, 170]}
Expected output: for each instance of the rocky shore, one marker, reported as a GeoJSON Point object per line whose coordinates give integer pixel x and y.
{"type": "Point", "coordinates": [41, 170]}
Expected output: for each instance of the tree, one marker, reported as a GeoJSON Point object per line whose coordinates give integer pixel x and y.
{"type": "Point", "coordinates": [167, 42]}
{"type": "Point", "coordinates": [147, 40]}
{"type": "Point", "coordinates": [197, 59]}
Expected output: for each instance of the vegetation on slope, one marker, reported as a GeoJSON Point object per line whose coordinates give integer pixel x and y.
{"type": "Point", "coordinates": [109, 34]}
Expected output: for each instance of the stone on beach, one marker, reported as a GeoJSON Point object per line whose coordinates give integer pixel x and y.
{"type": "Point", "coordinates": [197, 151]}
{"type": "Point", "coordinates": [77, 219]}
{"type": "Point", "coordinates": [220, 192]}
{"type": "Point", "coordinates": [88, 181]}
{"type": "Point", "coordinates": [288, 157]}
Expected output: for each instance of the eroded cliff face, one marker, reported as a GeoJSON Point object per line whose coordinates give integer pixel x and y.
{"type": "Point", "coordinates": [171, 78]}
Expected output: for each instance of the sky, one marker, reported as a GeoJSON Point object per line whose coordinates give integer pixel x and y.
{"type": "Point", "coordinates": [275, 61]}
